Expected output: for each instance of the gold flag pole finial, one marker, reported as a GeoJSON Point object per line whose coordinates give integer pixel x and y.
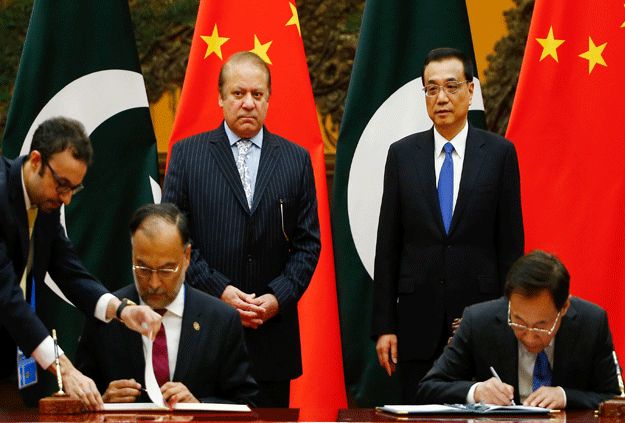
{"type": "Point", "coordinates": [59, 378]}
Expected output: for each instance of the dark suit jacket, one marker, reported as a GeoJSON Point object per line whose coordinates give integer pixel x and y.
{"type": "Point", "coordinates": [212, 361]}
{"type": "Point", "coordinates": [233, 245]}
{"type": "Point", "coordinates": [423, 274]}
{"type": "Point", "coordinates": [53, 253]}
{"type": "Point", "coordinates": [582, 364]}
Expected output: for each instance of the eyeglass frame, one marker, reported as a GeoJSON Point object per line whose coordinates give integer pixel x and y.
{"type": "Point", "coordinates": [169, 273]}
{"type": "Point", "coordinates": [63, 187]}
{"type": "Point", "coordinates": [524, 328]}
{"type": "Point", "coordinates": [442, 87]}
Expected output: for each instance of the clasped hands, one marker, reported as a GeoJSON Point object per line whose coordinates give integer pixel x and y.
{"type": "Point", "coordinates": [254, 311]}
{"type": "Point", "coordinates": [128, 390]}
{"type": "Point", "coordinates": [496, 392]}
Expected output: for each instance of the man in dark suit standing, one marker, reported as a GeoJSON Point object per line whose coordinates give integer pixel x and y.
{"type": "Point", "coordinates": [251, 200]}
{"type": "Point", "coordinates": [450, 224]}
{"type": "Point", "coordinates": [206, 356]}
{"type": "Point", "coordinates": [550, 349]}
{"type": "Point", "coordinates": [33, 242]}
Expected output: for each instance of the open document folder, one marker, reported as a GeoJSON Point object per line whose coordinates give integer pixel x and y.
{"type": "Point", "coordinates": [182, 406]}
{"type": "Point", "coordinates": [462, 409]}
{"type": "Point", "coordinates": [154, 392]}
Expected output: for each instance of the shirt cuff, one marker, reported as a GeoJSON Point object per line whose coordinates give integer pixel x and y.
{"type": "Point", "coordinates": [44, 353]}
{"type": "Point", "coordinates": [101, 306]}
{"type": "Point", "coordinates": [470, 397]}
{"type": "Point", "coordinates": [564, 394]}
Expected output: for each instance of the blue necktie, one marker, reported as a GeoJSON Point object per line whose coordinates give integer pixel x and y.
{"type": "Point", "coordinates": [542, 371]}
{"type": "Point", "coordinates": [446, 186]}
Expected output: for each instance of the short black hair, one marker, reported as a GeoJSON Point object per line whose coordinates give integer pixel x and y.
{"type": "Point", "coordinates": [242, 57]}
{"type": "Point", "coordinates": [166, 211]}
{"type": "Point", "coordinates": [443, 53]}
{"type": "Point", "coordinates": [57, 134]}
{"type": "Point", "coordinates": [538, 271]}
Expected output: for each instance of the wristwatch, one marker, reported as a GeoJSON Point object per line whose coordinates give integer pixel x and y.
{"type": "Point", "coordinates": [125, 302]}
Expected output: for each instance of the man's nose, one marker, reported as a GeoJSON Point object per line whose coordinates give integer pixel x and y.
{"type": "Point", "coordinates": [66, 197]}
{"type": "Point", "coordinates": [248, 101]}
{"type": "Point", "coordinates": [442, 97]}
{"type": "Point", "coordinates": [154, 281]}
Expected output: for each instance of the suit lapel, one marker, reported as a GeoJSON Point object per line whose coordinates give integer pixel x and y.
{"type": "Point", "coordinates": [16, 198]}
{"type": "Point", "coordinates": [424, 160]}
{"type": "Point", "coordinates": [223, 156]}
{"type": "Point", "coordinates": [474, 155]}
{"type": "Point", "coordinates": [268, 159]}
{"type": "Point", "coordinates": [507, 357]}
{"type": "Point", "coordinates": [189, 335]}
{"type": "Point", "coordinates": [566, 339]}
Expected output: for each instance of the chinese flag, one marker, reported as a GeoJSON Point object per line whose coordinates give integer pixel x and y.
{"type": "Point", "coordinates": [271, 29]}
{"type": "Point", "coordinates": [568, 126]}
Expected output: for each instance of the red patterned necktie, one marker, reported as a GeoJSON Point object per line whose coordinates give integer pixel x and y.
{"type": "Point", "coordinates": [160, 359]}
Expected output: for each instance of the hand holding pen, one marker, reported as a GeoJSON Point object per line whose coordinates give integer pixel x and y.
{"type": "Point", "coordinates": [494, 391]}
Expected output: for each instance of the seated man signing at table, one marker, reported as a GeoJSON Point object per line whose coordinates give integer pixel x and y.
{"type": "Point", "coordinates": [200, 357]}
{"type": "Point", "coordinates": [550, 349]}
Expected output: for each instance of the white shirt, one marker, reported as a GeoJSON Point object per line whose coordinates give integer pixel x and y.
{"type": "Point", "coordinates": [460, 143]}
{"type": "Point", "coordinates": [44, 353]}
{"type": "Point", "coordinates": [172, 320]}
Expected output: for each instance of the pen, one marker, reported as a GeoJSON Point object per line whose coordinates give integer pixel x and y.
{"type": "Point", "coordinates": [499, 379]}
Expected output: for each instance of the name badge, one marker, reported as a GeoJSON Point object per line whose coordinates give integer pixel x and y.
{"type": "Point", "coordinates": [26, 370]}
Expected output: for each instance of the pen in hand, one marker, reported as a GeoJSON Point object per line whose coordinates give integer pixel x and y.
{"type": "Point", "coordinates": [499, 379]}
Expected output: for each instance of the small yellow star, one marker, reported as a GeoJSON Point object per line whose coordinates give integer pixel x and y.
{"type": "Point", "coordinates": [261, 49]}
{"type": "Point", "coordinates": [294, 19]}
{"type": "Point", "coordinates": [214, 43]}
{"type": "Point", "coordinates": [593, 55]}
{"type": "Point", "coordinates": [623, 26]}
{"type": "Point", "coordinates": [550, 44]}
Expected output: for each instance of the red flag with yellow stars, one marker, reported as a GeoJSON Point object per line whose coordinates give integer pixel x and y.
{"type": "Point", "coordinates": [270, 28]}
{"type": "Point", "coordinates": [568, 126]}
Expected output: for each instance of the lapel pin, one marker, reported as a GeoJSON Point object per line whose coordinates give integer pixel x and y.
{"type": "Point", "coordinates": [196, 326]}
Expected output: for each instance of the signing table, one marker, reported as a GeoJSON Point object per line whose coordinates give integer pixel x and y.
{"type": "Point", "coordinates": [293, 415]}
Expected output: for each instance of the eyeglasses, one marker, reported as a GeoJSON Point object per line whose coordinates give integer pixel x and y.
{"type": "Point", "coordinates": [63, 187]}
{"type": "Point", "coordinates": [164, 274]}
{"type": "Point", "coordinates": [450, 87]}
{"type": "Point", "coordinates": [522, 328]}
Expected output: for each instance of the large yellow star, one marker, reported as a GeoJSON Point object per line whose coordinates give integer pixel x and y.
{"type": "Point", "coordinates": [550, 44]}
{"type": "Point", "coordinates": [294, 19]}
{"type": "Point", "coordinates": [261, 49]}
{"type": "Point", "coordinates": [593, 55]}
{"type": "Point", "coordinates": [214, 43]}
{"type": "Point", "coordinates": [623, 26]}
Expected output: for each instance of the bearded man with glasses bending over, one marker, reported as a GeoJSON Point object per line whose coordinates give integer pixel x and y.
{"type": "Point", "coordinates": [550, 349]}
{"type": "Point", "coordinates": [33, 242]}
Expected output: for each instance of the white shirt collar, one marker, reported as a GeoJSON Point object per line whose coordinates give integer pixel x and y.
{"type": "Point", "coordinates": [459, 141]}
{"type": "Point", "coordinates": [257, 139]}
{"type": "Point", "coordinates": [26, 197]}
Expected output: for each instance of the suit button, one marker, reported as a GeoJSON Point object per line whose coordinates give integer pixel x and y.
{"type": "Point", "coordinates": [249, 257]}
{"type": "Point", "coordinates": [442, 280]}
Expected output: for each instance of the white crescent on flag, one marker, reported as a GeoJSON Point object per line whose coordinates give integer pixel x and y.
{"type": "Point", "coordinates": [92, 99]}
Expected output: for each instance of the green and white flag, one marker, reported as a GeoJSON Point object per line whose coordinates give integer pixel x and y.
{"type": "Point", "coordinates": [384, 104]}
{"type": "Point", "coordinates": [80, 61]}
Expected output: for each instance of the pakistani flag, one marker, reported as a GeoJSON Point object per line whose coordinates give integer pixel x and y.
{"type": "Point", "coordinates": [80, 61]}
{"type": "Point", "coordinates": [384, 104]}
